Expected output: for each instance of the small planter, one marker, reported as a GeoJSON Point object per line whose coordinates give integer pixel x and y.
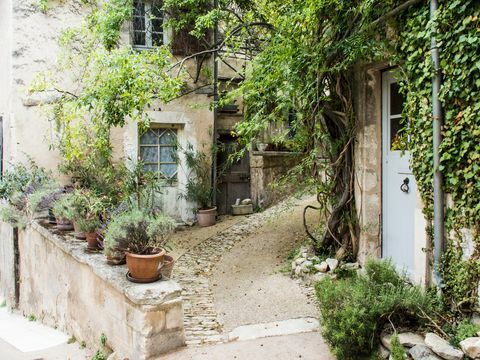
{"type": "Point", "coordinates": [242, 209]}
{"type": "Point", "coordinates": [64, 224]}
{"type": "Point", "coordinates": [78, 234]}
{"type": "Point", "coordinates": [144, 268]}
{"type": "Point", "coordinates": [206, 217]}
{"type": "Point", "coordinates": [92, 240]}
{"type": "Point", "coordinates": [167, 266]}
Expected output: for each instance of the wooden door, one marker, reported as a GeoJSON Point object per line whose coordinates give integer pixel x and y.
{"type": "Point", "coordinates": [233, 179]}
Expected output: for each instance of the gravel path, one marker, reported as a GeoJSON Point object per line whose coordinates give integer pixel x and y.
{"type": "Point", "coordinates": [233, 277]}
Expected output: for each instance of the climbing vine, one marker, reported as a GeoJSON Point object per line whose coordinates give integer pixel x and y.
{"type": "Point", "coordinates": [458, 36]}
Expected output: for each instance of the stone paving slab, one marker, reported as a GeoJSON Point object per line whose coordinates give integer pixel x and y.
{"type": "Point", "coordinates": [306, 346]}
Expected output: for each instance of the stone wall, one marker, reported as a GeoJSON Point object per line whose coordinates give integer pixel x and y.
{"type": "Point", "coordinates": [7, 264]}
{"type": "Point", "coordinates": [265, 168]}
{"type": "Point", "coordinates": [66, 287]}
{"type": "Point", "coordinates": [368, 172]}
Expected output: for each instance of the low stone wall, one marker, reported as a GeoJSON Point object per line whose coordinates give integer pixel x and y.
{"type": "Point", "coordinates": [7, 265]}
{"type": "Point", "coordinates": [64, 286]}
{"type": "Point", "coordinates": [265, 168]}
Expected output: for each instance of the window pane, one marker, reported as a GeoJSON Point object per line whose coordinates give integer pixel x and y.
{"type": "Point", "coordinates": [139, 38]}
{"type": "Point", "coordinates": [138, 8]}
{"type": "Point", "coordinates": [168, 154]}
{"type": "Point", "coordinates": [150, 168]}
{"type": "Point", "coordinates": [157, 24]}
{"type": "Point", "coordinates": [168, 138]}
{"type": "Point", "coordinates": [149, 138]}
{"type": "Point", "coordinates": [396, 100]}
{"type": "Point", "coordinates": [168, 170]}
{"type": "Point", "coordinates": [138, 23]}
{"type": "Point", "coordinates": [149, 154]}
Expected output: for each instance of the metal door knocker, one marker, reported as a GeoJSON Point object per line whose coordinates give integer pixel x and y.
{"type": "Point", "coordinates": [404, 187]}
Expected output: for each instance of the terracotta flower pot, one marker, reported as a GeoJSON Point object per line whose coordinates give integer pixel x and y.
{"type": "Point", "coordinates": [64, 224]}
{"type": "Point", "coordinates": [92, 238]}
{"type": "Point", "coordinates": [167, 266]}
{"type": "Point", "coordinates": [78, 234]}
{"type": "Point", "coordinates": [206, 217]}
{"type": "Point", "coordinates": [144, 267]}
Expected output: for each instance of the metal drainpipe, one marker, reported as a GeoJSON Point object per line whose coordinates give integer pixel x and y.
{"type": "Point", "coordinates": [438, 195]}
{"type": "Point", "coordinates": [215, 112]}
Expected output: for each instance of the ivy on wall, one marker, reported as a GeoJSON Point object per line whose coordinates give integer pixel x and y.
{"type": "Point", "coordinates": [459, 40]}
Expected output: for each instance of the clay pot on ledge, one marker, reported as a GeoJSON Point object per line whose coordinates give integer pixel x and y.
{"type": "Point", "coordinates": [167, 266]}
{"type": "Point", "coordinates": [64, 224]}
{"type": "Point", "coordinates": [78, 234]}
{"type": "Point", "coordinates": [207, 217]}
{"type": "Point", "coordinates": [92, 240]}
{"type": "Point", "coordinates": [144, 268]}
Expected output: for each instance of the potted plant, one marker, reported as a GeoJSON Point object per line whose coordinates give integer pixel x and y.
{"type": "Point", "coordinates": [199, 188]}
{"type": "Point", "coordinates": [90, 207]}
{"type": "Point", "coordinates": [142, 236]}
{"type": "Point", "coordinates": [64, 212]}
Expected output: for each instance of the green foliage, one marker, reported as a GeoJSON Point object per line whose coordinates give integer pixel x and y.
{"type": "Point", "coordinates": [462, 331]}
{"type": "Point", "coordinates": [398, 351]}
{"type": "Point", "coordinates": [32, 317]}
{"type": "Point", "coordinates": [199, 187]}
{"type": "Point", "coordinates": [64, 207]}
{"type": "Point", "coordinates": [99, 355]}
{"type": "Point", "coordinates": [110, 19]}
{"type": "Point", "coordinates": [138, 232]}
{"type": "Point", "coordinates": [457, 24]}
{"type": "Point", "coordinates": [103, 339]}
{"type": "Point", "coordinates": [354, 310]}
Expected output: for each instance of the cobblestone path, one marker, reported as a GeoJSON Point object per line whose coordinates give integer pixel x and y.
{"type": "Point", "coordinates": [194, 268]}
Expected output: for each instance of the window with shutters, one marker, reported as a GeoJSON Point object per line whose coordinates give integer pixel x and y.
{"type": "Point", "coordinates": [147, 24]}
{"type": "Point", "coordinates": [158, 152]}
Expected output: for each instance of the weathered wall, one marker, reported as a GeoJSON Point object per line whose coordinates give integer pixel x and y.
{"type": "Point", "coordinates": [265, 168]}
{"type": "Point", "coordinates": [29, 45]}
{"type": "Point", "coordinates": [7, 264]}
{"type": "Point", "coordinates": [368, 172]}
{"type": "Point", "coordinates": [78, 292]}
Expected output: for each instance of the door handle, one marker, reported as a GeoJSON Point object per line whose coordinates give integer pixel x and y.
{"type": "Point", "coordinates": [404, 187]}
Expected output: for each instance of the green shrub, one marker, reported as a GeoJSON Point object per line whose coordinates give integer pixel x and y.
{"type": "Point", "coordinates": [354, 310]}
{"type": "Point", "coordinates": [137, 231]}
{"type": "Point", "coordinates": [463, 330]}
{"type": "Point", "coordinates": [398, 351]}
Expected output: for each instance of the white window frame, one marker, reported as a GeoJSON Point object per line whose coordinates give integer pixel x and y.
{"type": "Point", "coordinates": [148, 27]}
{"type": "Point", "coordinates": [161, 130]}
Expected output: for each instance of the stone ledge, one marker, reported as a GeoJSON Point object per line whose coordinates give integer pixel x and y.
{"type": "Point", "coordinates": [140, 294]}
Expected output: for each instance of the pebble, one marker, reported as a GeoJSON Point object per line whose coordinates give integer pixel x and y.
{"type": "Point", "coordinates": [322, 267]}
{"type": "Point", "coordinates": [422, 352]}
{"type": "Point", "coordinates": [332, 264]}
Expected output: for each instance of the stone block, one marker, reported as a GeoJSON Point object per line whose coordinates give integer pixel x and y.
{"type": "Point", "coordinates": [175, 317]}
{"type": "Point", "coordinates": [442, 348]}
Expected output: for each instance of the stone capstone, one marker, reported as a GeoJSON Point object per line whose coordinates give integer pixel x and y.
{"type": "Point", "coordinates": [332, 264]}
{"type": "Point", "coordinates": [471, 347]}
{"type": "Point", "coordinates": [422, 352]}
{"type": "Point", "coordinates": [442, 348]}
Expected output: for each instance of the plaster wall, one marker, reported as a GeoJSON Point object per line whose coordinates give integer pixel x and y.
{"type": "Point", "coordinates": [368, 173]}
{"type": "Point", "coordinates": [65, 287]}
{"type": "Point", "coordinates": [29, 40]}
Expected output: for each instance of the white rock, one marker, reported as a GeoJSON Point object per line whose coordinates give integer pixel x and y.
{"type": "Point", "coordinates": [471, 347]}
{"type": "Point", "coordinates": [332, 264]}
{"type": "Point", "coordinates": [409, 339]}
{"type": "Point", "coordinates": [299, 260]}
{"type": "Point", "coordinates": [383, 352]}
{"type": "Point", "coordinates": [304, 254]}
{"type": "Point", "coordinates": [421, 352]}
{"type": "Point", "coordinates": [442, 348]}
{"type": "Point", "coordinates": [246, 202]}
{"type": "Point", "coordinates": [322, 267]}
{"type": "Point", "coordinates": [298, 270]}
{"type": "Point", "coordinates": [351, 266]}
{"type": "Point", "coordinates": [294, 265]}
